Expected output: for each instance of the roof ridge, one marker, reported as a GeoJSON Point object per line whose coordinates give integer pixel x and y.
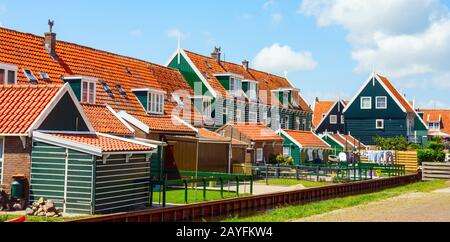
{"type": "Point", "coordinates": [22, 86]}
{"type": "Point", "coordinates": [86, 47]}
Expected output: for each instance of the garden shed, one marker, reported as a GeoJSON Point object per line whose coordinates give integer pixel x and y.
{"type": "Point", "coordinates": [90, 173]}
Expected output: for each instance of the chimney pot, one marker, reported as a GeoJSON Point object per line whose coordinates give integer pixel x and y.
{"type": "Point", "coordinates": [216, 55]}
{"type": "Point", "coordinates": [245, 64]}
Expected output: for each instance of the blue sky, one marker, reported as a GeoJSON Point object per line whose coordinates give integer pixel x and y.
{"type": "Point", "coordinates": [328, 48]}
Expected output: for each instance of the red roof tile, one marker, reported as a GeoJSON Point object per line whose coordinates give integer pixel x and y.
{"type": "Point", "coordinates": [405, 104]}
{"type": "Point", "coordinates": [257, 132]}
{"type": "Point", "coordinates": [104, 121]}
{"type": "Point", "coordinates": [321, 108]}
{"type": "Point", "coordinates": [106, 143]}
{"type": "Point", "coordinates": [27, 51]}
{"type": "Point", "coordinates": [206, 134]}
{"type": "Point", "coordinates": [21, 105]}
{"type": "Point", "coordinates": [165, 124]}
{"type": "Point", "coordinates": [307, 139]}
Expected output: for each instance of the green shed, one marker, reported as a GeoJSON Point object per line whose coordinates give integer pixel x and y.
{"type": "Point", "coordinates": [91, 173]}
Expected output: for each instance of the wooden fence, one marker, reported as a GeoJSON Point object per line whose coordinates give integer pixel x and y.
{"type": "Point", "coordinates": [435, 171]}
{"type": "Point", "coordinates": [408, 159]}
{"type": "Point", "coordinates": [244, 169]}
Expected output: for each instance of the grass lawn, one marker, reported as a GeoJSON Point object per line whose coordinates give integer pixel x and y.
{"type": "Point", "coordinates": [177, 196]}
{"type": "Point", "coordinates": [294, 182]}
{"type": "Point", "coordinates": [4, 217]}
{"type": "Point", "coordinates": [307, 210]}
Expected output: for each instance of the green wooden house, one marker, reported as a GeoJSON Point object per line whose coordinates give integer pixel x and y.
{"type": "Point", "coordinates": [379, 109]}
{"type": "Point", "coordinates": [304, 146]}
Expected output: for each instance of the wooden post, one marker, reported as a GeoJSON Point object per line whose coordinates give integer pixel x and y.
{"type": "Point", "coordinates": [185, 191]}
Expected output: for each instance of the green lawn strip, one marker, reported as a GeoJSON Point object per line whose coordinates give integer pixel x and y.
{"type": "Point", "coordinates": [31, 219]}
{"type": "Point", "coordinates": [307, 210]}
{"type": "Point", "coordinates": [177, 196]}
{"type": "Point", "coordinates": [293, 182]}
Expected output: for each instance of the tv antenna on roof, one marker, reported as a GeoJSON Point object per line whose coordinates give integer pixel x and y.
{"type": "Point", "coordinates": [51, 23]}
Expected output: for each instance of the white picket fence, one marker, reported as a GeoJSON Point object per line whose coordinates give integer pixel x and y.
{"type": "Point", "coordinates": [435, 171]}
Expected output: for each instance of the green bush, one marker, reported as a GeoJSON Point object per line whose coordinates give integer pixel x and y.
{"type": "Point", "coordinates": [415, 147]}
{"type": "Point", "coordinates": [425, 155]}
{"type": "Point", "coordinates": [433, 145]}
{"type": "Point", "coordinates": [281, 160]}
{"type": "Point", "coordinates": [397, 143]}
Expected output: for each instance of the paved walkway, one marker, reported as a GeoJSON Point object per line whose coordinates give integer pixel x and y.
{"type": "Point", "coordinates": [412, 207]}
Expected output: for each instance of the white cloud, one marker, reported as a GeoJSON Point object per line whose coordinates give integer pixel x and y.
{"type": "Point", "coordinates": [276, 18]}
{"type": "Point", "coordinates": [175, 33]}
{"type": "Point", "coordinates": [400, 38]}
{"type": "Point", "coordinates": [137, 33]}
{"type": "Point", "coordinates": [278, 58]}
{"type": "Point", "coordinates": [269, 4]}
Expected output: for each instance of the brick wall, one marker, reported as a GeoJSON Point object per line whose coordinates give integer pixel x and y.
{"type": "Point", "coordinates": [17, 160]}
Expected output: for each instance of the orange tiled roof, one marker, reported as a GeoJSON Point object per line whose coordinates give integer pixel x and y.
{"type": "Point", "coordinates": [206, 134]}
{"type": "Point", "coordinates": [104, 121]}
{"type": "Point", "coordinates": [237, 69]}
{"type": "Point", "coordinates": [107, 144]}
{"type": "Point", "coordinates": [21, 105]}
{"type": "Point", "coordinates": [257, 132]}
{"type": "Point", "coordinates": [165, 123]}
{"type": "Point", "coordinates": [433, 116]}
{"type": "Point", "coordinates": [348, 141]}
{"type": "Point", "coordinates": [203, 64]}
{"type": "Point", "coordinates": [397, 95]}
{"type": "Point", "coordinates": [27, 51]}
{"type": "Point", "coordinates": [307, 139]}
{"type": "Point", "coordinates": [321, 108]}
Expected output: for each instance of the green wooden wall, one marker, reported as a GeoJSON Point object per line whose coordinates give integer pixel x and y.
{"type": "Point", "coordinates": [50, 178]}
{"type": "Point", "coordinates": [188, 74]}
{"type": "Point", "coordinates": [142, 96]}
{"type": "Point", "coordinates": [76, 87]}
{"type": "Point", "coordinates": [120, 185]}
{"type": "Point", "coordinates": [295, 150]}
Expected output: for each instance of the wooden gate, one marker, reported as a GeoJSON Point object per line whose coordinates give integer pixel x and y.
{"type": "Point", "coordinates": [408, 159]}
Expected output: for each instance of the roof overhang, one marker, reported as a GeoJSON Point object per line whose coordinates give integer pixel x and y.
{"type": "Point", "coordinates": [217, 74]}
{"type": "Point", "coordinates": [148, 89]}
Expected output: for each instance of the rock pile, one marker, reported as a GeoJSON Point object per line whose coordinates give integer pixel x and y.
{"type": "Point", "coordinates": [43, 208]}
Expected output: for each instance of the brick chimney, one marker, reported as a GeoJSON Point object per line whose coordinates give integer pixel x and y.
{"type": "Point", "coordinates": [216, 55]}
{"type": "Point", "coordinates": [245, 64]}
{"type": "Point", "coordinates": [50, 40]}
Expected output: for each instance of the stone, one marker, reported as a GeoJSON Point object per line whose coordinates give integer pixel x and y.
{"type": "Point", "coordinates": [17, 206]}
{"type": "Point", "coordinates": [35, 208]}
{"type": "Point", "coordinates": [41, 213]}
{"type": "Point", "coordinates": [41, 201]}
{"type": "Point", "coordinates": [40, 210]}
{"type": "Point", "coordinates": [29, 211]}
{"type": "Point", "coordinates": [50, 214]}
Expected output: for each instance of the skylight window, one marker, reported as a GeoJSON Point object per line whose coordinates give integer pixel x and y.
{"type": "Point", "coordinates": [107, 88]}
{"type": "Point", "coordinates": [122, 92]}
{"type": "Point", "coordinates": [206, 74]}
{"type": "Point", "coordinates": [44, 76]}
{"type": "Point", "coordinates": [208, 65]}
{"type": "Point", "coordinates": [31, 77]}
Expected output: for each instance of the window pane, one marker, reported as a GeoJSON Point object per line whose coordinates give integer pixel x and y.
{"type": "Point", "coordinates": [84, 92]}
{"type": "Point", "coordinates": [11, 77]}
{"type": "Point", "coordinates": [2, 76]}
{"type": "Point", "coordinates": [1, 149]}
{"type": "Point", "coordinates": [92, 92]}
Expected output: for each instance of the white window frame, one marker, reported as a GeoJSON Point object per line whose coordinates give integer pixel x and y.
{"type": "Point", "coordinates": [287, 151]}
{"type": "Point", "coordinates": [259, 154]}
{"type": "Point", "coordinates": [88, 98]}
{"type": "Point", "coordinates": [342, 119]}
{"type": "Point", "coordinates": [252, 116]}
{"type": "Point", "coordinates": [155, 103]}
{"type": "Point", "coordinates": [2, 157]}
{"type": "Point", "coordinates": [362, 103]}
{"type": "Point", "coordinates": [252, 90]}
{"type": "Point", "coordinates": [235, 85]}
{"type": "Point", "coordinates": [385, 102]}
{"type": "Point", "coordinates": [297, 123]}
{"type": "Point", "coordinates": [238, 115]}
{"type": "Point", "coordinates": [207, 108]}
{"type": "Point", "coordinates": [435, 126]}
{"type": "Point", "coordinates": [333, 119]}
{"type": "Point", "coordinates": [285, 99]}
{"type": "Point", "coordinates": [379, 127]}
{"type": "Point", "coordinates": [264, 115]}
{"type": "Point", "coordinates": [286, 122]}
{"type": "Point", "coordinates": [7, 68]}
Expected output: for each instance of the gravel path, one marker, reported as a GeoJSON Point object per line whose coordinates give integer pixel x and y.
{"type": "Point", "coordinates": [412, 207]}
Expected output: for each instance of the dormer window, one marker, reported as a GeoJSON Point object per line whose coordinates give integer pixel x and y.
{"type": "Point", "coordinates": [8, 74]}
{"type": "Point", "coordinates": [30, 76]}
{"type": "Point", "coordinates": [285, 99]}
{"type": "Point", "coordinates": [252, 90]}
{"type": "Point", "coordinates": [435, 126]}
{"type": "Point", "coordinates": [235, 85]}
{"type": "Point", "coordinates": [88, 91]}
{"type": "Point", "coordinates": [155, 102]}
